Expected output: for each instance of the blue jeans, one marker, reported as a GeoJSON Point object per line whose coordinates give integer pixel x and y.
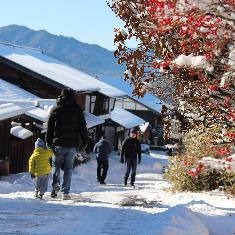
{"type": "Point", "coordinates": [131, 165]}
{"type": "Point", "coordinates": [65, 156]}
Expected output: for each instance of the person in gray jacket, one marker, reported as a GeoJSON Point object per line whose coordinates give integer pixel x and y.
{"type": "Point", "coordinates": [102, 149]}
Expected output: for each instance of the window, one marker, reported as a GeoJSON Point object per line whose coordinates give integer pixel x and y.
{"type": "Point", "coordinates": [99, 105]}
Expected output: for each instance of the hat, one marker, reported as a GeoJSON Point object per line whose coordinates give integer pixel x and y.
{"type": "Point", "coordinates": [67, 92]}
{"type": "Point", "coordinates": [40, 143]}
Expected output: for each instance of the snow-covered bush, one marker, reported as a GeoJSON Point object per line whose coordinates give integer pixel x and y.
{"type": "Point", "coordinates": [192, 170]}
{"type": "Point", "coordinates": [185, 178]}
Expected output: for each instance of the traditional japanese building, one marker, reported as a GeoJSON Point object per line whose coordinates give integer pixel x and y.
{"type": "Point", "coordinates": [23, 118]}
{"type": "Point", "coordinates": [45, 77]}
{"type": "Point", "coordinates": [147, 107]}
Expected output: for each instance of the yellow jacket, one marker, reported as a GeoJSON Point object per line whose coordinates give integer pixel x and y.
{"type": "Point", "coordinates": [39, 163]}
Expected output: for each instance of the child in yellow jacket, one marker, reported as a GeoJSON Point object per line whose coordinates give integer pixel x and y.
{"type": "Point", "coordinates": [40, 167]}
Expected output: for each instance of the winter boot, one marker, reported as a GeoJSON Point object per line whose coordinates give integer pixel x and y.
{"type": "Point", "coordinates": [125, 180]}
{"type": "Point", "coordinates": [133, 180]}
{"type": "Point", "coordinates": [36, 194]}
{"type": "Point", "coordinates": [55, 191]}
{"type": "Point", "coordinates": [40, 196]}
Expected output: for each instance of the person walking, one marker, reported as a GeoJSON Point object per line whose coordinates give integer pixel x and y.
{"type": "Point", "coordinates": [66, 132]}
{"type": "Point", "coordinates": [102, 149]}
{"type": "Point", "coordinates": [131, 155]}
{"type": "Point", "coordinates": [40, 167]}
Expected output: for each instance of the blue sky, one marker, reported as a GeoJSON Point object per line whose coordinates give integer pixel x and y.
{"type": "Point", "coordinates": [88, 21]}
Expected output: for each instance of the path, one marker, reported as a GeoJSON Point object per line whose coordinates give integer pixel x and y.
{"type": "Point", "coordinates": [113, 209]}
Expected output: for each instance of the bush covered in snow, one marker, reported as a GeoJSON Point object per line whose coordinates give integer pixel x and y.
{"type": "Point", "coordinates": [192, 169]}
{"type": "Point", "coordinates": [184, 178]}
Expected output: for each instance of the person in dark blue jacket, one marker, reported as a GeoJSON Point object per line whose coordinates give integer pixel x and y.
{"type": "Point", "coordinates": [102, 149]}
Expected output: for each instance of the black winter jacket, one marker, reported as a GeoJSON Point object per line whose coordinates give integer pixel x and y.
{"type": "Point", "coordinates": [131, 148]}
{"type": "Point", "coordinates": [66, 124]}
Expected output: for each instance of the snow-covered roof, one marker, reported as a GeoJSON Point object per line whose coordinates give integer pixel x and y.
{"type": "Point", "coordinates": [39, 114]}
{"type": "Point", "coordinates": [14, 94]}
{"type": "Point", "coordinates": [109, 90]}
{"type": "Point", "coordinates": [150, 101]}
{"type": "Point", "coordinates": [144, 126]}
{"type": "Point", "coordinates": [20, 132]}
{"type": "Point", "coordinates": [125, 118]}
{"type": "Point", "coordinates": [24, 101]}
{"type": "Point", "coordinates": [92, 120]}
{"type": "Point", "coordinates": [15, 101]}
{"type": "Point", "coordinates": [55, 70]}
{"type": "Point", "coordinates": [10, 110]}
{"type": "Point", "coordinates": [43, 116]}
{"type": "Point", "coordinates": [9, 91]}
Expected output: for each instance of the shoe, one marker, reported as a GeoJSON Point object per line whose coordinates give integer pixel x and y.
{"type": "Point", "coordinates": [102, 182]}
{"type": "Point", "coordinates": [54, 192]}
{"type": "Point", "coordinates": [66, 197]}
{"type": "Point", "coordinates": [132, 184]}
{"type": "Point", "coordinates": [36, 194]}
{"type": "Point", "coordinates": [40, 196]}
{"type": "Point", "coordinates": [125, 180]}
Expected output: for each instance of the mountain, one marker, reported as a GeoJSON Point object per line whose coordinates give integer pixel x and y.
{"type": "Point", "coordinates": [89, 58]}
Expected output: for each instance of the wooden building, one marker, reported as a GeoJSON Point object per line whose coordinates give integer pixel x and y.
{"type": "Point", "coordinates": [43, 78]}
{"type": "Point", "coordinates": [147, 107]}
{"type": "Point", "coordinates": [32, 118]}
{"type": "Point", "coordinates": [14, 151]}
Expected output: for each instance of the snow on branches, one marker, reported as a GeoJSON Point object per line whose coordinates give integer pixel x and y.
{"type": "Point", "coordinates": [186, 53]}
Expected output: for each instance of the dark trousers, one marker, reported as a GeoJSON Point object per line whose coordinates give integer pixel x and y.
{"type": "Point", "coordinates": [131, 166]}
{"type": "Point", "coordinates": [102, 169]}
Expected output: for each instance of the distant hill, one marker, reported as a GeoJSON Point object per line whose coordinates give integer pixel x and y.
{"type": "Point", "coordinates": [89, 58]}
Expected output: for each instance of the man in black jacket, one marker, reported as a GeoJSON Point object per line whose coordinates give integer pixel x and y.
{"type": "Point", "coordinates": [102, 149]}
{"type": "Point", "coordinates": [131, 149]}
{"type": "Point", "coordinates": [66, 127]}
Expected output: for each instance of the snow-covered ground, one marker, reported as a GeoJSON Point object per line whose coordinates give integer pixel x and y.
{"type": "Point", "coordinates": [149, 209]}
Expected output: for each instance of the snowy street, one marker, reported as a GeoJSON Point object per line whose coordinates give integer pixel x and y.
{"type": "Point", "coordinates": [148, 209]}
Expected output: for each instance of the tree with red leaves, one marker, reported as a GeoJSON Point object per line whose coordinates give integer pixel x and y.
{"type": "Point", "coordinates": [185, 54]}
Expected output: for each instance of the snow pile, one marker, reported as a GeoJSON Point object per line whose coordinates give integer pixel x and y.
{"type": "Point", "coordinates": [15, 183]}
{"type": "Point", "coordinates": [20, 132]}
{"type": "Point", "coordinates": [195, 62]}
{"type": "Point", "coordinates": [38, 114]}
{"type": "Point", "coordinates": [179, 220]}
